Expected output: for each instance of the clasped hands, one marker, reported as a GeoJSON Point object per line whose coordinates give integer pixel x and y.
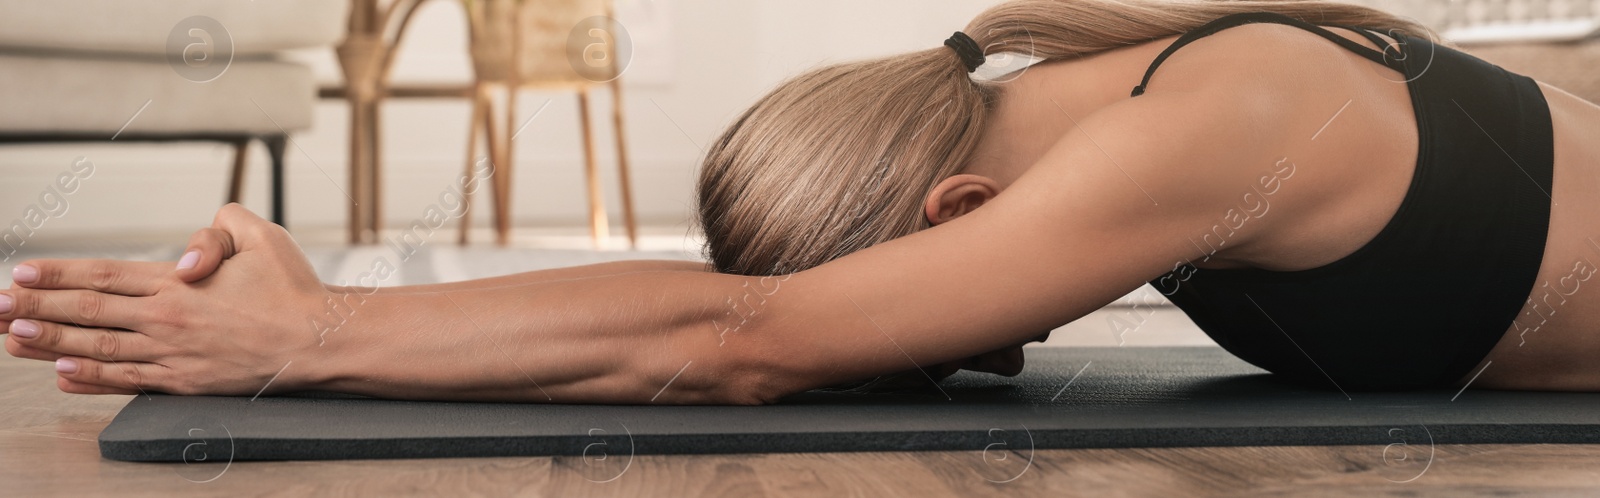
{"type": "Point", "coordinates": [194, 327]}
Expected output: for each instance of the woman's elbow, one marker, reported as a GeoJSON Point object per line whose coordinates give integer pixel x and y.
{"type": "Point", "coordinates": [755, 379]}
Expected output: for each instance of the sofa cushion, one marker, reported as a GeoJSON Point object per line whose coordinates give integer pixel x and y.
{"type": "Point", "coordinates": [79, 94]}
{"type": "Point", "coordinates": [135, 27]}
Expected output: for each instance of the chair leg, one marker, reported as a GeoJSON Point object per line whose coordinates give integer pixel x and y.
{"type": "Point", "coordinates": [275, 147]}
{"type": "Point", "coordinates": [622, 165]}
{"type": "Point", "coordinates": [474, 124]}
{"type": "Point", "coordinates": [500, 187]}
{"type": "Point", "coordinates": [375, 174]}
{"type": "Point", "coordinates": [509, 157]}
{"type": "Point", "coordinates": [598, 227]}
{"type": "Point", "coordinates": [357, 228]}
{"type": "Point", "coordinates": [241, 155]}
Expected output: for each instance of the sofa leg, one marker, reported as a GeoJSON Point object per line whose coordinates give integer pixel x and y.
{"type": "Point", "coordinates": [275, 147]}
{"type": "Point", "coordinates": [241, 154]}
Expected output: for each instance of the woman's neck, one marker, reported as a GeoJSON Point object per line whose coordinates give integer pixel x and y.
{"type": "Point", "coordinates": [1048, 100]}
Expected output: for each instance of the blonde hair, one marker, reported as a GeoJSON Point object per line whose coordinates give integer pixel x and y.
{"type": "Point", "coordinates": [841, 158]}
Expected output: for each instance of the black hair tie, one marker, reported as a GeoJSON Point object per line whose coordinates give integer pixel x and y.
{"type": "Point", "coordinates": [967, 49]}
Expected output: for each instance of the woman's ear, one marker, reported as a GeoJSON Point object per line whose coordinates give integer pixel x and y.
{"type": "Point", "coordinates": [958, 195]}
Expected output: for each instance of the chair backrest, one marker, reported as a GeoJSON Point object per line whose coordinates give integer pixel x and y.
{"type": "Point", "coordinates": [536, 41]}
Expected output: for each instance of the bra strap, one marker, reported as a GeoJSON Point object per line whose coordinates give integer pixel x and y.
{"type": "Point", "coordinates": [1392, 62]}
{"type": "Point", "coordinates": [1232, 20]}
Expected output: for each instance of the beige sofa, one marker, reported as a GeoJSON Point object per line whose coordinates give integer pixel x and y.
{"type": "Point", "coordinates": [174, 70]}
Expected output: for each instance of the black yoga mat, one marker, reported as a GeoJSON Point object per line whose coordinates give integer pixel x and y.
{"type": "Point", "coordinates": [1127, 397]}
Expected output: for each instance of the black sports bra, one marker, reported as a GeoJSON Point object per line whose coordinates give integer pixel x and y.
{"type": "Point", "coordinates": [1433, 292]}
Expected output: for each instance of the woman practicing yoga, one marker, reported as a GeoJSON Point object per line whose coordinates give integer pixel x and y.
{"type": "Point", "coordinates": [1323, 189]}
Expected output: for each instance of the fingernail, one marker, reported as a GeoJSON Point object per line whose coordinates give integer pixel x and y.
{"type": "Point", "coordinates": [5, 303]}
{"type": "Point", "coordinates": [24, 274]}
{"type": "Point", "coordinates": [25, 329]}
{"type": "Point", "coordinates": [190, 259]}
{"type": "Point", "coordinates": [66, 365]}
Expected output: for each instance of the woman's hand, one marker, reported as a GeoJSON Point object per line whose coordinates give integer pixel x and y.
{"type": "Point", "coordinates": [124, 327]}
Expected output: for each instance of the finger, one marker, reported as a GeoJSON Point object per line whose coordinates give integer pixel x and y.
{"type": "Point", "coordinates": [122, 374]}
{"type": "Point", "coordinates": [100, 344]}
{"type": "Point", "coordinates": [1005, 362]}
{"type": "Point", "coordinates": [83, 308]}
{"type": "Point", "coordinates": [251, 233]}
{"type": "Point", "coordinates": [68, 386]}
{"type": "Point", "coordinates": [128, 278]}
{"type": "Point", "coordinates": [207, 248]}
{"type": "Point", "coordinates": [19, 350]}
{"type": "Point", "coordinates": [244, 227]}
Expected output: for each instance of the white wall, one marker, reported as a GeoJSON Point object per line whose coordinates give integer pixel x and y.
{"type": "Point", "coordinates": [720, 55]}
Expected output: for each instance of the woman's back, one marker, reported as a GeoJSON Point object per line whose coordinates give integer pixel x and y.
{"type": "Point", "coordinates": [1347, 176]}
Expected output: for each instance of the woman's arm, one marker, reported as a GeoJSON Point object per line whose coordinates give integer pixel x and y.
{"type": "Point", "coordinates": [1096, 218]}
{"type": "Point", "coordinates": [263, 323]}
{"type": "Point", "coordinates": [638, 337]}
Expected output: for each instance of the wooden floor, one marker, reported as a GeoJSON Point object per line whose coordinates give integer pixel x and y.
{"type": "Point", "coordinates": [47, 447]}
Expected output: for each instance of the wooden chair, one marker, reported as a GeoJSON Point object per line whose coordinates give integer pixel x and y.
{"type": "Point", "coordinates": [519, 44]}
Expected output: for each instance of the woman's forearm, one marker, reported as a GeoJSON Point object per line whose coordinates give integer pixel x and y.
{"type": "Point", "coordinates": [533, 277]}
{"type": "Point", "coordinates": [639, 337]}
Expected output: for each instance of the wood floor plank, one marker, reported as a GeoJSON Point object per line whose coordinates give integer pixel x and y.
{"type": "Point", "coordinates": [1475, 470]}
{"type": "Point", "coordinates": [848, 474]}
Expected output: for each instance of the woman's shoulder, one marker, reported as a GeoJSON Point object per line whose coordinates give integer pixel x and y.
{"type": "Point", "coordinates": [1204, 151]}
{"type": "Point", "coordinates": [1226, 121]}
